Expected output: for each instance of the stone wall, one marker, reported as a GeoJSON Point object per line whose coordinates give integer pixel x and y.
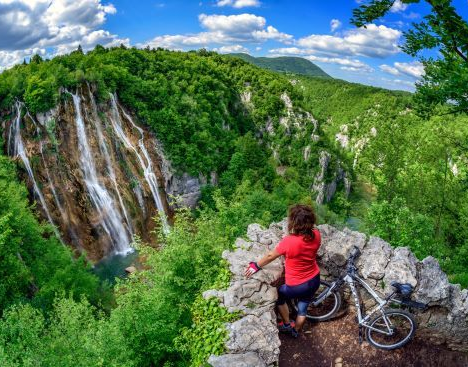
{"type": "Point", "coordinates": [253, 340]}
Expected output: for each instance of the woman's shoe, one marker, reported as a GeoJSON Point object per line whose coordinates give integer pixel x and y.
{"type": "Point", "coordinates": [294, 333]}
{"type": "Point", "coordinates": [288, 328]}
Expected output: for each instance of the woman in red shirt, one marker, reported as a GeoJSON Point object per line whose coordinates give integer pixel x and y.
{"type": "Point", "coordinates": [302, 272]}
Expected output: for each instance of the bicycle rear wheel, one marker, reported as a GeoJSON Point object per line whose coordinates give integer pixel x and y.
{"type": "Point", "coordinates": [326, 309]}
{"type": "Point", "coordinates": [393, 330]}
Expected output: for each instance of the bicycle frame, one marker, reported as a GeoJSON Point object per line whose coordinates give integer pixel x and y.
{"type": "Point", "coordinates": [351, 278]}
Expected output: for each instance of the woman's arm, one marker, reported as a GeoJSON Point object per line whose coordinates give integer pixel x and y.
{"type": "Point", "coordinates": [265, 260]}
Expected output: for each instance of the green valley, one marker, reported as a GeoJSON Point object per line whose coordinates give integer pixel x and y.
{"type": "Point", "coordinates": [256, 140]}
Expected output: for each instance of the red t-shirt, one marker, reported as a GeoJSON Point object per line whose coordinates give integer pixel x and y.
{"type": "Point", "coordinates": [301, 264]}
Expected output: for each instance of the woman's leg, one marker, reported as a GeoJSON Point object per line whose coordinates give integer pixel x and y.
{"type": "Point", "coordinates": [284, 312]}
{"type": "Point", "coordinates": [303, 302]}
{"type": "Point", "coordinates": [301, 317]}
{"type": "Point", "coordinates": [283, 308]}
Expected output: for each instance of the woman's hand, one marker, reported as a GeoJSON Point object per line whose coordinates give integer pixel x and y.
{"type": "Point", "coordinates": [252, 269]}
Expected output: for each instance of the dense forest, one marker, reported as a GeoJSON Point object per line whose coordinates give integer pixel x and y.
{"type": "Point", "coordinates": [263, 133]}
{"type": "Point", "coordinates": [285, 64]}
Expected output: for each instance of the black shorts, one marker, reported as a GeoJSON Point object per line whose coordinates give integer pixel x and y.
{"type": "Point", "coordinates": [303, 292]}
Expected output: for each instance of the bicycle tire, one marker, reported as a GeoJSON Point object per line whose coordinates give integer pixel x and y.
{"type": "Point", "coordinates": [389, 313]}
{"type": "Point", "coordinates": [330, 311]}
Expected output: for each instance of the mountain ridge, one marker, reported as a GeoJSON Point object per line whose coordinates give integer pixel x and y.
{"type": "Point", "coordinates": [285, 64]}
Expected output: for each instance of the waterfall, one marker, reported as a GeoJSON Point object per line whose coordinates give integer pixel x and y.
{"type": "Point", "coordinates": [19, 151]}
{"type": "Point", "coordinates": [146, 163]}
{"type": "Point", "coordinates": [10, 133]}
{"type": "Point", "coordinates": [111, 219]}
{"type": "Point", "coordinates": [49, 180]}
{"type": "Point", "coordinates": [110, 166]}
{"type": "Point", "coordinates": [139, 195]}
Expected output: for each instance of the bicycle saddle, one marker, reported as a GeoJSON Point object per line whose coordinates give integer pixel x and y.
{"type": "Point", "coordinates": [404, 289]}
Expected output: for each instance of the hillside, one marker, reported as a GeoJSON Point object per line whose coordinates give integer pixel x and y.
{"type": "Point", "coordinates": [96, 146]}
{"type": "Point", "coordinates": [285, 64]}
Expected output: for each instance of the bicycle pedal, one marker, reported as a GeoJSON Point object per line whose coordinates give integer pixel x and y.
{"type": "Point", "coordinates": [360, 335]}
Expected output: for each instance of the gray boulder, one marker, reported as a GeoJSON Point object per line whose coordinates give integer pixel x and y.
{"type": "Point", "coordinates": [337, 245]}
{"type": "Point", "coordinates": [247, 294]}
{"type": "Point", "coordinates": [374, 259]}
{"type": "Point", "coordinates": [434, 286]}
{"type": "Point", "coordinates": [249, 359]}
{"type": "Point", "coordinates": [252, 334]}
{"type": "Point", "coordinates": [401, 268]}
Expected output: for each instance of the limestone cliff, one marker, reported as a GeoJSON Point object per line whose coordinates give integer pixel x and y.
{"type": "Point", "coordinates": [96, 173]}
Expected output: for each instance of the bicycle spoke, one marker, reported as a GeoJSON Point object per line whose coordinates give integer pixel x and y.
{"type": "Point", "coordinates": [395, 333]}
{"type": "Point", "coordinates": [325, 308]}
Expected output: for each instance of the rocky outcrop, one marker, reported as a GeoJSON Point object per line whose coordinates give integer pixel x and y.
{"type": "Point", "coordinates": [253, 339]}
{"type": "Point", "coordinates": [326, 188]}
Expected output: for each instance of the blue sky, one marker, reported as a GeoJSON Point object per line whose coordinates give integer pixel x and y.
{"type": "Point", "coordinates": [317, 30]}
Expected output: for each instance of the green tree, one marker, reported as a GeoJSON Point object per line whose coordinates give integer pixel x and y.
{"type": "Point", "coordinates": [444, 30]}
{"type": "Point", "coordinates": [35, 266]}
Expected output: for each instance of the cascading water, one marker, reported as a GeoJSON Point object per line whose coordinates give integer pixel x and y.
{"type": "Point", "coordinates": [49, 180]}
{"type": "Point", "coordinates": [110, 166]}
{"type": "Point", "coordinates": [146, 163]}
{"type": "Point", "coordinates": [19, 151]}
{"type": "Point", "coordinates": [111, 220]}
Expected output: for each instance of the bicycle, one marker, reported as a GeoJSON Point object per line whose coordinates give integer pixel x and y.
{"type": "Point", "coordinates": [391, 329]}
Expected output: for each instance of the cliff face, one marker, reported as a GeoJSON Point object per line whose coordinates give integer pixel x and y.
{"type": "Point", "coordinates": [94, 171]}
{"type": "Point", "coordinates": [253, 339]}
{"type": "Point", "coordinates": [99, 177]}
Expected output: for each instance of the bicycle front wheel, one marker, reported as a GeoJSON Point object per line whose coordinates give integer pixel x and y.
{"type": "Point", "coordinates": [392, 330]}
{"type": "Point", "coordinates": [326, 309]}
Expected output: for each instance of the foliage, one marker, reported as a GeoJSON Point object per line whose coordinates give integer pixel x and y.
{"type": "Point", "coordinates": [394, 222]}
{"type": "Point", "coordinates": [444, 30]}
{"type": "Point", "coordinates": [285, 64]}
{"type": "Point", "coordinates": [189, 99]}
{"type": "Point", "coordinates": [409, 187]}
{"type": "Point", "coordinates": [208, 333]}
{"type": "Point", "coordinates": [403, 163]}
{"type": "Point", "coordinates": [73, 336]}
{"type": "Point", "coordinates": [35, 266]}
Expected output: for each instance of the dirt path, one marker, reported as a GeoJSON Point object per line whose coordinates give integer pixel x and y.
{"type": "Point", "coordinates": [323, 343]}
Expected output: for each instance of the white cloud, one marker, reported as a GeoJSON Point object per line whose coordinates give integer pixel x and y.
{"type": "Point", "coordinates": [271, 33]}
{"type": "Point", "coordinates": [398, 7]}
{"type": "Point", "coordinates": [353, 69]}
{"type": "Point", "coordinates": [87, 13]}
{"type": "Point", "coordinates": [10, 58]}
{"type": "Point", "coordinates": [334, 25]}
{"type": "Point", "coordinates": [399, 82]}
{"type": "Point", "coordinates": [346, 62]}
{"type": "Point", "coordinates": [239, 3]}
{"type": "Point", "coordinates": [389, 69]}
{"type": "Point", "coordinates": [179, 41]}
{"type": "Point", "coordinates": [30, 25]}
{"type": "Point", "coordinates": [231, 49]}
{"type": "Point", "coordinates": [92, 39]}
{"type": "Point", "coordinates": [373, 41]}
{"type": "Point", "coordinates": [232, 24]}
{"type": "Point", "coordinates": [223, 30]}
{"type": "Point", "coordinates": [413, 69]}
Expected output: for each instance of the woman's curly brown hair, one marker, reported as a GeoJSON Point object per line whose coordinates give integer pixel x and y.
{"type": "Point", "coordinates": [301, 221]}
